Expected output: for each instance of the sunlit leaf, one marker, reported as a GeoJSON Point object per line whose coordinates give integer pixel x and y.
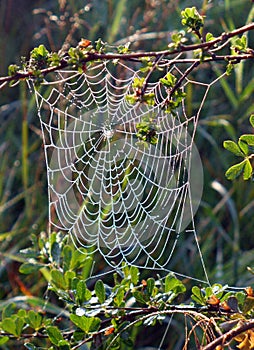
{"type": "Point", "coordinates": [28, 268]}
{"type": "Point", "coordinates": [233, 147]}
{"type": "Point", "coordinates": [119, 298]}
{"type": "Point", "coordinates": [3, 339]}
{"type": "Point", "coordinates": [197, 295]}
{"type": "Point", "coordinates": [249, 139]}
{"type": "Point", "coordinates": [209, 37]}
{"type": "Point", "coordinates": [57, 279]}
{"type": "Point", "coordinates": [83, 293]}
{"type": "Point", "coordinates": [252, 120]}
{"type": "Point", "coordinates": [243, 146]}
{"type": "Point", "coordinates": [235, 170]}
{"type": "Point", "coordinates": [172, 284]}
{"type": "Point", "coordinates": [63, 345]}
{"type": "Point", "coordinates": [34, 319]}
{"type": "Point", "coordinates": [140, 297]}
{"type": "Point", "coordinates": [86, 324]}
{"type": "Point", "coordinates": [54, 335]}
{"type": "Point", "coordinates": [13, 325]}
{"type": "Point", "coordinates": [134, 272]}
{"type": "Point", "coordinates": [100, 291]}
{"type": "Point", "coordinates": [150, 285]}
{"type": "Point", "coordinates": [247, 172]}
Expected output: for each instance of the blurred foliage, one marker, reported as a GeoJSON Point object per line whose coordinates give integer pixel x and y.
{"type": "Point", "coordinates": [225, 218]}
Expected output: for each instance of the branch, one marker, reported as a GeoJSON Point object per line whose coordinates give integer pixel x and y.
{"type": "Point", "coordinates": [229, 335]}
{"type": "Point", "coordinates": [92, 56]}
{"type": "Point", "coordinates": [194, 314]}
{"type": "Point", "coordinates": [186, 73]}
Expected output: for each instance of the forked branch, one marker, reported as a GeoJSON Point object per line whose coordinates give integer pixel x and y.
{"type": "Point", "coordinates": [91, 54]}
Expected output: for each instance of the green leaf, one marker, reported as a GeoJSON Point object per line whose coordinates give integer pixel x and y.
{"type": "Point", "coordinates": [8, 310]}
{"type": "Point", "coordinates": [100, 291]}
{"type": "Point", "coordinates": [3, 339]}
{"type": "Point", "coordinates": [241, 296]}
{"type": "Point", "coordinates": [83, 293]}
{"type": "Point", "coordinates": [20, 322]}
{"type": "Point", "coordinates": [86, 267]}
{"type": "Point", "coordinates": [209, 37]}
{"type": "Point", "coordinates": [28, 268]}
{"type": "Point", "coordinates": [172, 284]}
{"type": "Point", "coordinates": [138, 82]}
{"type": "Point", "coordinates": [235, 170]}
{"type": "Point", "coordinates": [230, 67]}
{"type": "Point", "coordinates": [8, 325]}
{"type": "Point", "coordinates": [169, 80]}
{"type": "Point", "coordinates": [39, 52]}
{"type": "Point", "coordinates": [216, 289]}
{"type": "Point", "coordinates": [13, 69]}
{"type": "Point", "coordinates": [132, 99]}
{"type": "Point", "coordinates": [150, 286]}
{"type": "Point", "coordinates": [240, 44]}
{"type": "Point", "coordinates": [134, 272]}
{"type": "Point", "coordinates": [123, 48]}
{"type": "Point", "coordinates": [21, 313]}
{"type": "Point", "coordinates": [192, 19]}
{"type": "Point", "coordinates": [34, 319]}
{"type": "Point", "coordinates": [68, 277]}
{"type": "Point", "coordinates": [249, 139]}
{"type": "Point", "coordinates": [141, 297]}
{"type": "Point", "coordinates": [64, 345]}
{"type": "Point", "coordinates": [247, 172]}
{"type": "Point", "coordinates": [57, 279]}
{"type": "Point", "coordinates": [55, 252]}
{"type": "Point", "coordinates": [78, 335]}
{"type": "Point", "coordinates": [54, 334]}
{"type": "Point", "coordinates": [197, 295]}
{"type": "Point", "coordinates": [149, 99]}
{"type": "Point", "coordinates": [252, 120]}
{"type": "Point", "coordinates": [86, 324]}
{"type": "Point", "coordinates": [233, 147]}
{"type": "Point", "coordinates": [119, 298]}
{"type": "Point", "coordinates": [13, 325]}
{"type": "Point", "coordinates": [42, 50]}
{"type": "Point", "coordinates": [243, 146]}
{"type": "Point", "coordinates": [79, 259]}
{"type": "Point", "coordinates": [67, 255]}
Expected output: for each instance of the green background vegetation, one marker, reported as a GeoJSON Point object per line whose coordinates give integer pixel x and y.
{"type": "Point", "coordinates": [224, 221]}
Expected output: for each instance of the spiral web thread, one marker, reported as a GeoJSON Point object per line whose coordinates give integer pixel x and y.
{"type": "Point", "coordinates": [114, 195]}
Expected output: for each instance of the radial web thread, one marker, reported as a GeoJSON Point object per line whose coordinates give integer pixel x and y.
{"type": "Point", "coordinates": [114, 195]}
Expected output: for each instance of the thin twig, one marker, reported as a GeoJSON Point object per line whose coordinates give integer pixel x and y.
{"type": "Point", "coordinates": [186, 73]}
{"type": "Point", "coordinates": [92, 56]}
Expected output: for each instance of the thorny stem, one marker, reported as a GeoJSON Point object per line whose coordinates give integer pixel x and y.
{"type": "Point", "coordinates": [91, 56]}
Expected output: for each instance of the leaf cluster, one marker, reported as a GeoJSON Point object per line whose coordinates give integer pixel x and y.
{"type": "Point", "coordinates": [175, 95]}
{"type": "Point", "coordinates": [243, 148]}
{"type": "Point", "coordinates": [192, 19]}
{"type": "Point", "coordinates": [101, 314]}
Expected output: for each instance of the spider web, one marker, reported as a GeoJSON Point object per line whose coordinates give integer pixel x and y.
{"type": "Point", "coordinates": [128, 201]}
